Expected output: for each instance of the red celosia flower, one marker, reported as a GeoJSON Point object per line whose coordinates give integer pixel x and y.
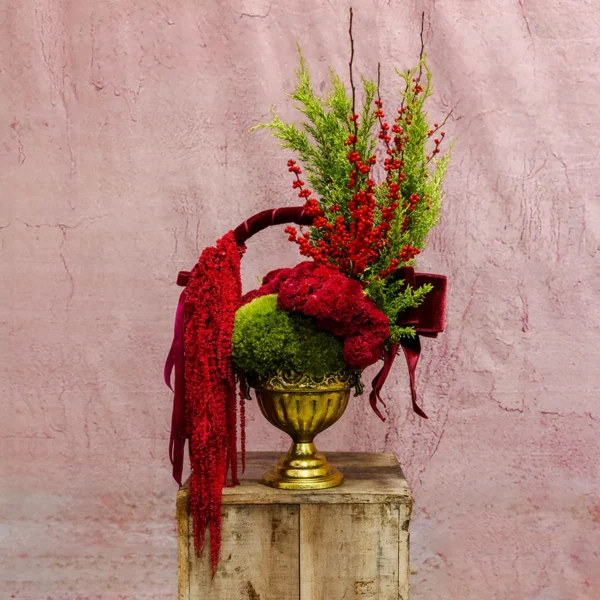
{"type": "Point", "coordinates": [337, 303]}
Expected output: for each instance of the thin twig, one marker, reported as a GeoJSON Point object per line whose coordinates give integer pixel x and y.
{"type": "Point", "coordinates": [433, 131]}
{"type": "Point", "coordinates": [418, 79]}
{"type": "Point", "coordinates": [352, 80]}
{"type": "Point", "coordinates": [422, 42]}
{"type": "Point", "coordinates": [379, 100]}
{"type": "Point", "coordinates": [421, 53]}
{"type": "Point", "coordinates": [444, 121]}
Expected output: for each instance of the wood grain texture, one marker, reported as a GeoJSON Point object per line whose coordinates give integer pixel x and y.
{"type": "Point", "coordinates": [259, 556]}
{"type": "Point", "coordinates": [369, 478]}
{"type": "Point", "coordinates": [349, 552]}
{"type": "Point", "coordinates": [348, 543]}
{"type": "Point", "coordinates": [183, 547]}
{"type": "Point", "coordinates": [124, 154]}
{"type": "Point", "coordinates": [404, 514]}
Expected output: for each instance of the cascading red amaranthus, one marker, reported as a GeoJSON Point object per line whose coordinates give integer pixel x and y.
{"type": "Point", "coordinates": [213, 294]}
{"type": "Point", "coordinates": [204, 404]}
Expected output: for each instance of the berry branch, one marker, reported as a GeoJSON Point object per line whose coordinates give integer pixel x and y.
{"type": "Point", "coordinates": [363, 228]}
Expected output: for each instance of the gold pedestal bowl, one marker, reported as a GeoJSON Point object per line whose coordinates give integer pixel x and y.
{"type": "Point", "coordinates": [303, 406]}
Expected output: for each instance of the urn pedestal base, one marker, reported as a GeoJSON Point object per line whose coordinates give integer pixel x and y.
{"type": "Point", "coordinates": [303, 468]}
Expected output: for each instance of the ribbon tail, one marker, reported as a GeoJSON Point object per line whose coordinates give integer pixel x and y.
{"type": "Point", "coordinates": [379, 380]}
{"type": "Point", "coordinates": [176, 452]}
{"type": "Point", "coordinates": [412, 351]}
{"type": "Point", "coordinates": [169, 364]}
{"type": "Point", "coordinates": [175, 360]}
{"type": "Point", "coordinates": [373, 398]}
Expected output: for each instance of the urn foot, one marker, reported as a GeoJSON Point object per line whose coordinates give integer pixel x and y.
{"type": "Point", "coordinates": [303, 468]}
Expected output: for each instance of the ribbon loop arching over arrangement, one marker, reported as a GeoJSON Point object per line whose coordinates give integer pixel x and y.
{"type": "Point", "coordinates": [428, 320]}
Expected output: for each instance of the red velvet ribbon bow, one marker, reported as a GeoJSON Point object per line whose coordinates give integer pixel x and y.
{"type": "Point", "coordinates": [428, 320]}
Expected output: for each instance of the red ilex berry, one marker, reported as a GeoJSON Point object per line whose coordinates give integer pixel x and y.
{"type": "Point", "coordinates": [408, 252]}
{"type": "Point", "coordinates": [312, 208]}
{"type": "Point", "coordinates": [292, 233]}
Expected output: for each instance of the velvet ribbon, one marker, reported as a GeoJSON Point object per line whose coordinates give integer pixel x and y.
{"type": "Point", "coordinates": [428, 320]}
{"type": "Point", "coordinates": [175, 360]}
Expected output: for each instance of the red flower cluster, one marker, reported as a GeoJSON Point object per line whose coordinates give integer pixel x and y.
{"type": "Point", "coordinates": [337, 303]}
{"type": "Point", "coordinates": [347, 247]}
{"type": "Point", "coordinates": [213, 295]}
{"type": "Point", "coordinates": [351, 244]}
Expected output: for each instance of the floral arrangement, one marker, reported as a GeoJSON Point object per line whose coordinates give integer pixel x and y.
{"type": "Point", "coordinates": [368, 225]}
{"type": "Point", "coordinates": [371, 186]}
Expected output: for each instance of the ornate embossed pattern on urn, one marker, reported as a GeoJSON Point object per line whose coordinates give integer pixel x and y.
{"type": "Point", "coordinates": [303, 406]}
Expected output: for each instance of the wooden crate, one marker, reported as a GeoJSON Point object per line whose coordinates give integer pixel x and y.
{"type": "Point", "coordinates": [349, 542]}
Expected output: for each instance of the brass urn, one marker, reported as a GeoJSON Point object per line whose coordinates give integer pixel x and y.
{"type": "Point", "coordinates": [303, 406]}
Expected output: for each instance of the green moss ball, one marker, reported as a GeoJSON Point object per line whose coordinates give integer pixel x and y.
{"type": "Point", "coordinates": [267, 338]}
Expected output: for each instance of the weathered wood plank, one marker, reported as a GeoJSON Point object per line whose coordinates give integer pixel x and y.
{"type": "Point", "coordinates": [404, 513]}
{"type": "Point", "coordinates": [259, 556]}
{"type": "Point", "coordinates": [183, 534]}
{"type": "Point", "coordinates": [368, 478]}
{"type": "Point", "coordinates": [349, 542]}
{"type": "Point", "coordinates": [349, 552]}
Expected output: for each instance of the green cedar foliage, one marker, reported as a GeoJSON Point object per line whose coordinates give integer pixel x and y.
{"type": "Point", "coordinates": [319, 140]}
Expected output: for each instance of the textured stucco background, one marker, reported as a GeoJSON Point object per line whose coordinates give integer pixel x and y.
{"type": "Point", "coordinates": [123, 153]}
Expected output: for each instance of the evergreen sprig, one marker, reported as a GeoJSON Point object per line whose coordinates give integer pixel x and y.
{"type": "Point", "coordinates": [323, 140]}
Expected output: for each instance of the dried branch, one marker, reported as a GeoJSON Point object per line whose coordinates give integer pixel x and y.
{"type": "Point", "coordinates": [352, 80]}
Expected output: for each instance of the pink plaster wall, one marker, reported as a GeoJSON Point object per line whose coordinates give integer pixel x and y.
{"type": "Point", "coordinates": [123, 154]}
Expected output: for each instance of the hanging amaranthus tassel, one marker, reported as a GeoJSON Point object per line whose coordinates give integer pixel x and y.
{"type": "Point", "coordinates": [204, 409]}
{"type": "Point", "coordinates": [213, 295]}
